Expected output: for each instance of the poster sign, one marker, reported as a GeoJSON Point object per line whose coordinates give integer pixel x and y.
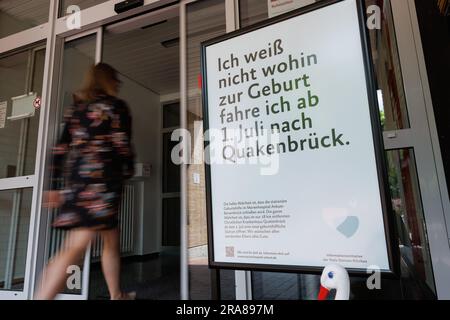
{"type": "Point", "coordinates": [295, 166]}
{"type": "Point", "coordinates": [3, 111]}
{"type": "Point", "coordinates": [23, 106]}
{"type": "Point", "coordinates": [277, 7]}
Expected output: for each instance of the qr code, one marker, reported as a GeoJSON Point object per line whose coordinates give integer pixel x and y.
{"type": "Point", "coordinates": [229, 252]}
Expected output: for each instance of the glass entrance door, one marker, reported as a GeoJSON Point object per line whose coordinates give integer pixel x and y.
{"type": "Point", "coordinates": [20, 92]}
{"type": "Point", "coordinates": [77, 54]}
{"type": "Point", "coordinates": [145, 52]}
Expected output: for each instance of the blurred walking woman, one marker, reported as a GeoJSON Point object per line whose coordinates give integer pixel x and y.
{"type": "Point", "coordinates": [94, 156]}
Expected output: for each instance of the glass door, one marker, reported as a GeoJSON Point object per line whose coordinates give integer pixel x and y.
{"type": "Point", "coordinates": [19, 128]}
{"type": "Point", "coordinates": [145, 52]}
{"type": "Point", "coordinates": [77, 54]}
{"type": "Point", "coordinates": [412, 163]}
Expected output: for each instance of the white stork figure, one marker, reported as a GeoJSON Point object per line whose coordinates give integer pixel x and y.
{"type": "Point", "coordinates": [334, 277]}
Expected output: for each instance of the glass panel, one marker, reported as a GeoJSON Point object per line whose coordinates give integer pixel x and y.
{"type": "Point", "coordinates": [252, 11]}
{"type": "Point", "coordinates": [15, 69]}
{"type": "Point", "coordinates": [82, 4]}
{"type": "Point", "coordinates": [19, 15]}
{"type": "Point", "coordinates": [18, 137]}
{"type": "Point", "coordinates": [15, 209]}
{"type": "Point", "coordinates": [391, 95]}
{"type": "Point", "coordinates": [171, 222]}
{"type": "Point", "coordinates": [407, 205]}
{"type": "Point", "coordinates": [171, 171]}
{"type": "Point", "coordinates": [284, 286]}
{"type": "Point", "coordinates": [227, 284]}
{"type": "Point", "coordinates": [33, 122]}
{"type": "Point", "coordinates": [78, 56]}
{"type": "Point", "coordinates": [171, 115]}
{"type": "Point", "coordinates": [205, 20]}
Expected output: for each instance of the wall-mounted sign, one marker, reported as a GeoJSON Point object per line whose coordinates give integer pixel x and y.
{"type": "Point", "coordinates": [23, 106]}
{"type": "Point", "coordinates": [3, 111]}
{"type": "Point", "coordinates": [295, 174]}
{"type": "Point", "coordinates": [277, 7]}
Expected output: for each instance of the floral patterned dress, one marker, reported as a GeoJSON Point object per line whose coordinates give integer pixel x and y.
{"type": "Point", "coordinates": [93, 157]}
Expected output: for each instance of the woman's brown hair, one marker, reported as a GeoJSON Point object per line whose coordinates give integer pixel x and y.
{"type": "Point", "coordinates": [101, 79]}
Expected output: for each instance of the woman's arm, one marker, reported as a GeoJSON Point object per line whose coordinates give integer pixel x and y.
{"type": "Point", "coordinates": [59, 152]}
{"type": "Point", "coordinates": [53, 198]}
{"type": "Point", "coordinates": [121, 137]}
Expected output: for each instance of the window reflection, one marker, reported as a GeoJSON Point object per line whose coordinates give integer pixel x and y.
{"type": "Point", "coordinates": [18, 135]}
{"type": "Point", "coordinates": [407, 206]}
{"type": "Point", "coordinates": [391, 95]}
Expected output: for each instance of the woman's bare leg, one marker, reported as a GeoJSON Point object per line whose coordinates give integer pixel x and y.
{"type": "Point", "coordinates": [55, 274]}
{"type": "Point", "coordinates": [111, 262]}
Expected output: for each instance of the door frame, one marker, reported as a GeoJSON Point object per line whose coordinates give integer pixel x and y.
{"type": "Point", "coordinates": [55, 32]}
{"type": "Point", "coordinates": [100, 17]}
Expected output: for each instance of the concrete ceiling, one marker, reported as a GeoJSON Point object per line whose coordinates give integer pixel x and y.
{"type": "Point", "coordinates": [141, 56]}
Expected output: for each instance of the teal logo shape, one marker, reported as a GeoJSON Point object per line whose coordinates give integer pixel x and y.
{"type": "Point", "coordinates": [349, 227]}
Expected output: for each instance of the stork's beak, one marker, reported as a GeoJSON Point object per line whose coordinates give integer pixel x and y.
{"type": "Point", "coordinates": [323, 293]}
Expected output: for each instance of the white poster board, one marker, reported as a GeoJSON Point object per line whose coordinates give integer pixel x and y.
{"type": "Point", "coordinates": [315, 193]}
{"type": "Point", "coordinates": [277, 7]}
{"type": "Point", "coordinates": [23, 106]}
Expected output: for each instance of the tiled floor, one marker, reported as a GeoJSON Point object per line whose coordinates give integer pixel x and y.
{"type": "Point", "coordinates": [155, 278]}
